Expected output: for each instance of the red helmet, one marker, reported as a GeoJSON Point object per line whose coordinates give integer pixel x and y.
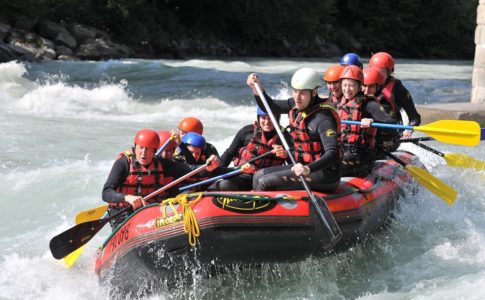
{"type": "Point", "coordinates": [164, 136]}
{"type": "Point", "coordinates": [352, 72]}
{"type": "Point", "coordinates": [382, 60]}
{"type": "Point", "coordinates": [373, 75]}
{"type": "Point", "coordinates": [147, 138]}
{"type": "Point", "coordinates": [333, 73]}
{"type": "Point", "coordinates": [191, 124]}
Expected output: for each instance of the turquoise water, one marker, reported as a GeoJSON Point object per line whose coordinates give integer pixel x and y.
{"type": "Point", "coordinates": [63, 124]}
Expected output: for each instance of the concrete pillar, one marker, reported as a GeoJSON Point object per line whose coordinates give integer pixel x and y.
{"type": "Point", "coordinates": [478, 78]}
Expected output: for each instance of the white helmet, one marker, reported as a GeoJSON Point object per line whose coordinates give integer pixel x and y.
{"type": "Point", "coordinates": [305, 79]}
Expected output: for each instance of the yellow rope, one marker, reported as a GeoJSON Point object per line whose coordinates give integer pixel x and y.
{"type": "Point", "coordinates": [191, 226]}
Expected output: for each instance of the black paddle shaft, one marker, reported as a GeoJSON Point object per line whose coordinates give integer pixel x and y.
{"type": "Point", "coordinates": [70, 240]}
{"type": "Point", "coordinates": [392, 156]}
{"type": "Point", "coordinates": [417, 140]}
{"type": "Point", "coordinates": [259, 157]}
{"type": "Point", "coordinates": [429, 149]}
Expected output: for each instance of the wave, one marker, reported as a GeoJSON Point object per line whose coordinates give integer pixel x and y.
{"type": "Point", "coordinates": [405, 69]}
{"type": "Point", "coordinates": [106, 101]}
{"type": "Point", "coordinates": [12, 84]}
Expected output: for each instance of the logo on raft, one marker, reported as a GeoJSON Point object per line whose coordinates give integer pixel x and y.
{"type": "Point", "coordinates": [235, 204]}
{"type": "Point", "coordinates": [160, 222]}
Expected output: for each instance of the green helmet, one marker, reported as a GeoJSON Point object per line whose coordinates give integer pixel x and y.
{"type": "Point", "coordinates": [305, 79]}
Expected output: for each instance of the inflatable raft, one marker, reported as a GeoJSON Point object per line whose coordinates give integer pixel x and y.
{"type": "Point", "coordinates": [227, 228]}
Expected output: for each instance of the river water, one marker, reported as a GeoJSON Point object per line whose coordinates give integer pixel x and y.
{"type": "Point", "coordinates": [63, 123]}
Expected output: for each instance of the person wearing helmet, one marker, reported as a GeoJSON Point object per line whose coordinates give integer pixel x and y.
{"type": "Point", "coordinates": [358, 141]}
{"type": "Point", "coordinates": [191, 124]}
{"type": "Point", "coordinates": [137, 173]}
{"type": "Point", "coordinates": [332, 78]}
{"type": "Point", "coordinates": [394, 95]}
{"type": "Point", "coordinates": [195, 145]}
{"type": "Point", "coordinates": [315, 132]}
{"type": "Point", "coordinates": [251, 141]}
{"type": "Point", "coordinates": [169, 150]}
{"type": "Point", "coordinates": [373, 81]}
{"type": "Point", "coordinates": [351, 59]}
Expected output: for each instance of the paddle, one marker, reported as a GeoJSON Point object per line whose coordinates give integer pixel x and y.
{"type": "Point", "coordinates": [456, 159]}
{"type": "Point", "coordinates": [458, 132]}
{"type": "Point", "coordinates": [91, 214]}
{"type": "Point", "coordinates": [228, 174]}
{"type": "Point", "coordinates": [325, 216]}
{"type": "Point", "coordinates": [423, 177]}
{"type": "Point", "coordinates": [73, 238]}
{"type": "Point", "coordinates": [427, 138]}
{"type": "Point", "coordinates": [165, 145]}
{"type": "Point", "coordinates": [72, 257]}
{"type": "Point", "coordinates": [419, 139]}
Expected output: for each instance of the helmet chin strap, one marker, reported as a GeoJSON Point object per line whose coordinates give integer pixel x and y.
{"type": "Point", "coordinates": [314, 98]}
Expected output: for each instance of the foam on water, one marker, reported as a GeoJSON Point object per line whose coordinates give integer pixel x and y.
{"type": "Point", "coordinates": [111, 102]}
{"type": "Point", "coordinates": [12, 84]}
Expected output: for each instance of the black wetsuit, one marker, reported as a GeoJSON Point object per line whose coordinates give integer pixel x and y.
{"type": "Point", "coordinates": [243, 181]}
{"type": "Point", "coordinates": [402, 98]}
{"type": "Point", "coordinates": [120, 171]}
{"type": "Point", "coordinates": [183, 155]}
{"type": "Point", "coordinates": [324, 172]}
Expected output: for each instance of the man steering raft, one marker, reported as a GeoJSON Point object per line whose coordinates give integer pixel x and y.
{"type": "Point", "coordinates": [137, 173]}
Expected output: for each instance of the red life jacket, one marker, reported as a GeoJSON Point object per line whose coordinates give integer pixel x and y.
{"type": "Point", "coordinates": [386, 99]}
{"type": "Point", "coordinates": [141, 180]}
{"type": "Point", "coordinates": [306, 149]}
{"type": "Point", "coordinates": [258, 145]}
{"type": "Point", "coordinates": [353, 136]}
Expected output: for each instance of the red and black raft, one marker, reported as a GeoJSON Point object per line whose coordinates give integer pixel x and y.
{"type": "Point", "coordinates": [227, 228]}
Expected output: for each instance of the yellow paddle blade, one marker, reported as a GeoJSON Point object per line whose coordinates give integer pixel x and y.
{"type": "Point", "coordinates": [84, 216]}
{"type": "Point", "coordinates": [91, 214]}
{"type": "Point", "coordinates": [71, 257]}
{"type": "Point", "coordinates": [436, 186]}
{"type": "Point", "coordinates": [459, 132]}
{"type": "Point", "coordinates": [464, 161]}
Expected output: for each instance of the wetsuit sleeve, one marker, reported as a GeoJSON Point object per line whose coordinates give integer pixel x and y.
{"type": "Point", "coordinates": [277, 106]}
{"type": "Point", "coordinates": [327, 131]}
{"type": "Point", "coordinates": [404, 99]}
{"type": "Point", "coordinates": [183, 154]}
{"type": "Point", "coordinates": [374, 110]}
{"type": "Point", "coordinates": [211, 150]}
{"type": "Point", "coordinates": [176, 169]}
{"type": "Point", "coordinates": [173, 170]}
{"type": "Point", "coordinates": [240, 140]}
{"type": "Point", "coordinates": [116, 177]}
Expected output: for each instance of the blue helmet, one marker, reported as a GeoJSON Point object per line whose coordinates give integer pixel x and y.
{"type": "Point", "coordinates": [351, 59]}
{"type": "Point", "coordinates": [260, 112]}
{"type": "Point", "coordinates": [194, 139]}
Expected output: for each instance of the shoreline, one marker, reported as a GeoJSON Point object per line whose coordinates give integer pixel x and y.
{"type": "Point", "coordinates": [452, 111]}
